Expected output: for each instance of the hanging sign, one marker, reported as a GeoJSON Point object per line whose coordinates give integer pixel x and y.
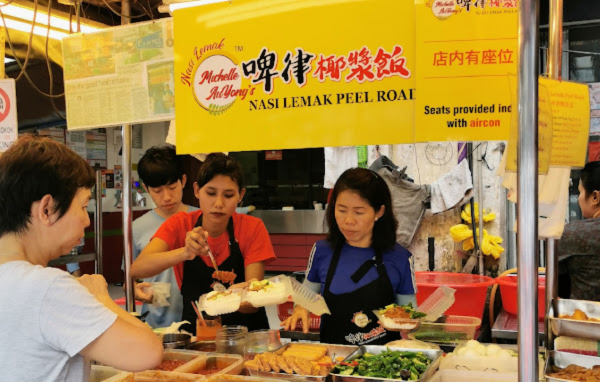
{"type": "Point", "coordinates": [269, 75]}
{"type": "Point", "coordinates": [466, 48]}
{"type": "Point", "coordinates": [8, 114]}
{"type": "Point", "coordinates": [571, 122]}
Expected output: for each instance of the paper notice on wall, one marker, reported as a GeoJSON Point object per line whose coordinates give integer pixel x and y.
{"type": "Point", "coordinates": [8, 114]}
{"type": "Point", "coordinates": [76, 141]}
{"type": "Point", "coordinates": [95, 143]}
{"type": "Point", "coordinates": [121, 75]}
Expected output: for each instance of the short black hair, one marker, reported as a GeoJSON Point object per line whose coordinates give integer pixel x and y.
{"type": "Point", "coordinates": [220, 164]}
{"type": "Point", "coordinates": [371, 187]}
{"type": "Point", "coordinates": [590, 177]}
{"type": "Point", "coordinates": [160, 166]}
{"type": "Point", "coordinates": [32, 168]}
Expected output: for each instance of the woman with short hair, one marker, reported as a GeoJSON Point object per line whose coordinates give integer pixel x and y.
{"type": "Point", "coordinates": [50, 321]}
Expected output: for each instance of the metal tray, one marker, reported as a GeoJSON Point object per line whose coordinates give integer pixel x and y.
{"type": "Point", "coordinates": [433, 355]}
{"type": "Point", "coordinates": [575, 328]}
{"type": "Point", "coordinates": [562, 360]}
{"type": "Point", "coordinates": [332, 350]}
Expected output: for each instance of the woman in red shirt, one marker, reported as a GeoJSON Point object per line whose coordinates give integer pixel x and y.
{"type": "Point", "coordinates": [238, 242]}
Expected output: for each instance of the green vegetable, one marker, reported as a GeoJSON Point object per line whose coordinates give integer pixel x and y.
{"type": "Point", "coordinates": [437, 336]}
{"type": "Point", "coordinates": [408, 308]}
{"type": "Point", "coordinates": [389, 364]}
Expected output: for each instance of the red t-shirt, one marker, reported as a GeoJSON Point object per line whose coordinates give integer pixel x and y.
{"type": "Point", "coordinates": [250, 232]}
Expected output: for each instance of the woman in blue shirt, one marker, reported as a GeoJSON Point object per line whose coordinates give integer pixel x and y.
{"type": "Point", "coordinates": [359, 267]}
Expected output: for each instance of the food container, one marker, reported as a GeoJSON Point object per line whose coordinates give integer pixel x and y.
{"type": "Point", "coordinates": [285, 310]}
{"type": "Point", "coordinates": [206, 330]}
{"type": "Point", "coordinates": [203, 346]}
{"type": "Point", "coordinates": [433, 355]}
{"type": "Point", "coordinates": [508, 292]}
{"type": "Point", "coordinates": [163, 376]}
{"type": "Point", "coordinates": [176, 341]}
{"type": "Point", "coordinates": [404, 325]}
{"type": "Point", "coordinates": [574, 345]}
{"type": "Point", "coordinates": [470, 295]}
{"type": "Point", "coordinates": [239, 378]}
{"type": "Point", "coordinates": [104, 373]}
{"type": "Point", "coordinates": [231, 339]}
{"type": "Point", "coordinates": [437, 303]}
{"type": "Point", "coordinates": [181, 355]}
{"type": "Point", "coordinates": [261, 341]}
{"type": "Point", "coordinates": [226, 363]}
{"type": "Point", "coordinates": [455, 330]}
{"type": "Point", "coordinates": [224, 305]}
{"type": "Point", "coordinates": [472, 376]}
{"type": "Point", "coordinates": [277, 295]}
{"type": "Point", "coordinates": [575, 328]}
{"type": "Point", "coordinates": [311, 301]}
{"type": "Point", "coordinates": [562, 360]}
{"type": "Point", "coordinates": [333, 351]}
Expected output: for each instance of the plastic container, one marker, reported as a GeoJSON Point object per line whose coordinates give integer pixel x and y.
{"type": "Point", "coordinates": [261, 341]}
{"type": "Point", "coordinates": [437, 303]}
{"type": "Point", "coordinates": [308, 299]}
{"type": "Point", "coordinates": [272, 297]}
{"type": "Point", "coordinates": [164, 376]}
{"type": "Point", "coordinates": [239, 378]}
{"type": "Point", "coordinates": [470, 295]}
{"type": "Point", "coordinates": [176, 355]}
{"type": "Point", "coordinates": [284, 311]}
{"type": "Point", "coordinates": [226, 363]}
{"type": "Point", "coordinates": [103, 373]}
{"type": "Point", "coordinates": [455, 330]}
{"type": "Point", "coordinates": [398, 324]}
{"type": "Point", "coordinates": [508, 291]}
{"type": "Point", "coordinates": [231, 339]}
{"type": "Point", "coordinates": [219, 307]}
{"type": "Point", "coordinates": [472, 376]}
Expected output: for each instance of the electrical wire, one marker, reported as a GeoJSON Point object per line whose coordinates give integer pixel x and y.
{"type": "Point", "coordinates": [7, 3]}
{"type": "Point", "coordinates": [121, 15]}
{"type": "Point", "coordinates": [24, 66]}
{"type": "Point", "coordinates": [50, 75]}
{"type": "Point", "coordinates": [23, 70]}
{"type": "Point", "coordinates": [150, 8]}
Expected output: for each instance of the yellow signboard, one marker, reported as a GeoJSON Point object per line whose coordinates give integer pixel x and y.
{"type": "Point", "coordinates": [544, 129]}
{"type": "Point", "coordinates": [571, 122]}
{"type": "Point", "coordinates": [466, 48]}
{"type": "Point", "coordinates": [275, 74]}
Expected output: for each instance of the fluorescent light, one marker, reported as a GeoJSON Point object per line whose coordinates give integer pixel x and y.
{"type": "Point", "coordinates": [20, 13]}
{"type": "Point", "coordinates": [189, 4]}
{"type": "Point", "coordinates": [37, 30]}
{"type": "Point", "coordinates": [8, 60]}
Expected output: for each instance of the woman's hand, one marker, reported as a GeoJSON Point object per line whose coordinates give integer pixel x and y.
{"type": "Point", "coordinates": [299, 313]}
{"type": "Point", "coordinates": [243, 285]}
{"type": "Point", "coordinates": [142, 295]}
{"type": "Point", "coordinates": [195, 244]}
{"type": "Point", "coordinates": [247, 308]}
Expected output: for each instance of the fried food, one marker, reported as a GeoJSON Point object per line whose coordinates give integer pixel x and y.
{"type": "Point", "coordinates": [272, 359]}
{"type": "Point", "coordinates": [577, 373]}
{"type": "Point", "coordinates": [284, 365]}
{"type": "Point", "coordinates": [579, 315]}
{"type": "Point", "coordinates": [297, 359]}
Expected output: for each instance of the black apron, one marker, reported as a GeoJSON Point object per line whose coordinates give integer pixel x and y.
{"type": "Point", "coordinates": [352, 321]}
{"type": "Point", "coordinates": [197, 280]}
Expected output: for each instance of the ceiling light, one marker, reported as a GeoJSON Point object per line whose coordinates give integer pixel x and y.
{"type": "Point", "coordinates": [20, 14]}
{"type": "Point", "coordinates": [187, 4]}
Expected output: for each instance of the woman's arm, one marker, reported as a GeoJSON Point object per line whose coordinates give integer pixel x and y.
{"type": "Point", "coordinates": [254, 271]}
{"type": "Point", "coordinates": [156, 258]}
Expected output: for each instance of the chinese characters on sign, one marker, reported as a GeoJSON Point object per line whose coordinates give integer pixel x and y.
{"type": "Point", "coordinates": [360, 65]}
{"type": "Point", "coordinates": [471, 57]}
{"type": "Point", "coordinates": [482, 4]}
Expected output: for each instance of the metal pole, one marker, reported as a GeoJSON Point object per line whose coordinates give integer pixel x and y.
{"type": "Point", "coordinates": [554, 71]}
{"type": "Point", "coordinates": [98, 223]}
{"type": "Point", "coordinates": [480, 194]}
{"type": "Point", "coordinates": [527, 209]}
{"type": "Point", "coordinates": [127, 212]}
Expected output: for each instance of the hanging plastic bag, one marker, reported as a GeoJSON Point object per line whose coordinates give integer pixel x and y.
{"type": "Point", "coordinates": [161, 292]}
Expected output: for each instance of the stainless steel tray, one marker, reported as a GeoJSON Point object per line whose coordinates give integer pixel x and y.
{"type": "Point", "coordinates": [562, 360]}
{"type": "Point", "coordinates": [332, 351]}
{"type": "Point", "coordinates": [575, 328]}
{"type": "Point", "coordinates": [433, 355]}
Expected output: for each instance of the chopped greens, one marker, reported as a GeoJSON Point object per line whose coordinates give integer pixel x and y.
{"type": "Point", "coordinates": [402, 365]}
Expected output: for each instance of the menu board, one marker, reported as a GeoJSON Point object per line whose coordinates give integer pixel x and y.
{"type": "Point", "coordinates": [121, 75]}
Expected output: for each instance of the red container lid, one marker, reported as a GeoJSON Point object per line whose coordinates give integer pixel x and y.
{"type": "Point", "coordinates": [450, 279]}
